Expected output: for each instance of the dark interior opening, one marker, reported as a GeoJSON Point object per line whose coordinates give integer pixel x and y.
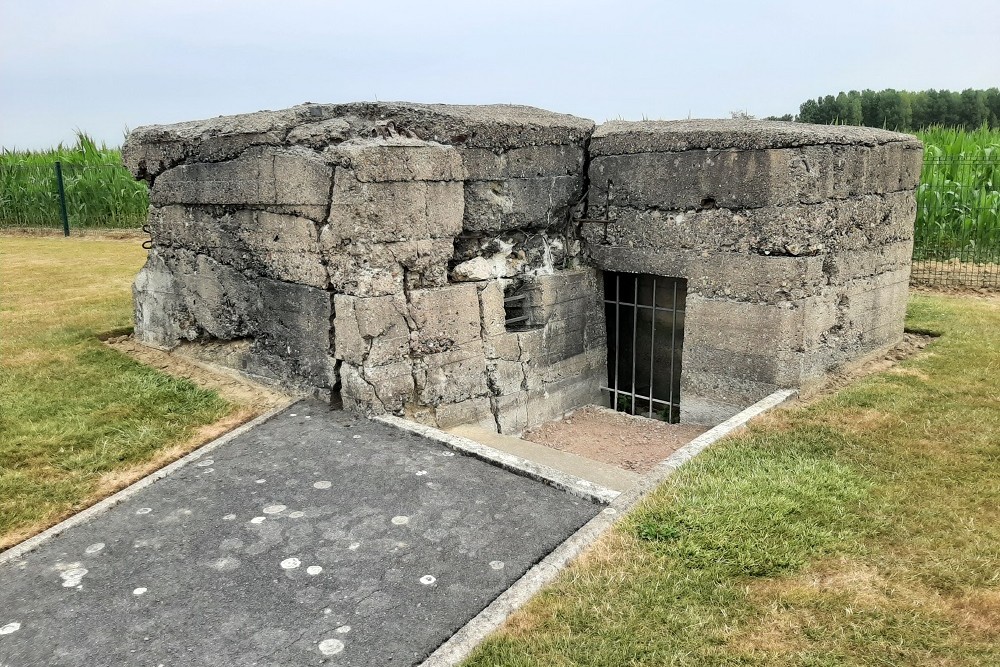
{"type": "Point", "coordinates": [645, 320]}
{"type": "Point", "coordinates": [515, 305]}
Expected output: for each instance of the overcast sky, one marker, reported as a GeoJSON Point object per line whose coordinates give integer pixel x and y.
{"type": "Point", "coordinates": [104, 65]}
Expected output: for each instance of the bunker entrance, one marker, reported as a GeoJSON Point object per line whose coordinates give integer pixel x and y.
{"type": "Point", "coordinates": [645, 319]}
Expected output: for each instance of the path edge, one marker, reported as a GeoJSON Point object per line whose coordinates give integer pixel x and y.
{"type": "Point", "coordinates": [571, 484]}
{"type": "Point", "coordinates": [20, 549]}
{"type": "Point", "coordinates": [460, 645]}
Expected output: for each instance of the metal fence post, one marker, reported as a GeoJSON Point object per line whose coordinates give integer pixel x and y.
{"type": "Point", "coordinates": [62, 198]}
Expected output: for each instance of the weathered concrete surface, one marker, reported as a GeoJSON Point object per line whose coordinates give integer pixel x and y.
{"type": "Point", "coordinates": [619, 137]}
{"type": "Point", "coordinates": [315, 538]}
{"type": "Point", "coordinates": [794, 239]}
{"type": "Point", "coordinates": [343, 209]}
{"type": "Point", "coordinates": [152, 149]}
{"type": "Point", "coordinates": [368, 248]}
{"type": "Point", "coordinates": [183, 295]}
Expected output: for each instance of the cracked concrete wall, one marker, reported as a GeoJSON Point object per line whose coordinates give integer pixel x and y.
{"type": "Point", "coordinates": [795, 241]}
{"type": "Point", "coordinates": [365, 248]}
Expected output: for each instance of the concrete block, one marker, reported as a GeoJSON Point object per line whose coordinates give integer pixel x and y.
{"type": "Point", "coordinates": [730, 276]}
{"type": "Point", "coordinates": [294, 322]}
{"type": "Point", "coordinates": [492, 206]}
{"type": "Point", "coordinates": [283, 247]}
{"type": "Point", "coordinates": [782, 368]}
{"type": "Point", "coordinates": [502, 346]}
{"type": "Point", "coordinates": [531, 344]}
{"type": "Point", "coordinates": [161, 316]}
{"type": "Point", "coordinates": [512, 412]}
{"type": "Point", "coordinates": [364, 270]}
{"type": "Point", "coordinates": [358, 394]}
{"type": "Point", "coordinates": [563, 339]}
{"type": "Point", "coordinates": [222, 301]}
{"type": "Point", "coordinates": [151, 150]}
{"type": "Point", "coordinates": [652, 136]}
{"type": "Point", "coordinates": [738, 179]}
{"type": "Point", "coordinates": [724, 389]}
{"type": "Point", "coordinates": [398, 159]}
{"type": "Point", "coordinates": [425, 262]}
{"type": "Point", "coordinates": [742, 327]}
{"type": "Point", "coordinates": [377, 389]}
{"type": "Point", "coordinates": [556, 399]}
{"type": "Point", "coordinates": [290, 180]}
{"type": "Point", "coordinates": [882, 337]}
{"type": "Point", "coordinates": [496, 127]}
{"type": "Point", "coordinates": [491, 306]}
{"type": "Point", "coordinates": [529, 162]}
{"type": "Point", "coordinates": [371, 331]}
{"type": "Point", "coordinates": [589, 366]}
{"type": "Point", "coordinates": [571, 314]}
{"type": "Point", "coordinates": [367, 269]}
{"type": "Point", "coordinates": [564, 285]}
{"type": "Point", "coordinates": [452, 376]}
{"type": "Point", "coordinates": [445, 318]}
{"type": "Point", "coordinates": [847, 265]}
{"type": "Point", "coordinates": [692, 179]}
{"type": "Point", "coordinates": [318, 135]}
{"type": "Point", "coordinates": [475, 411]}
{"type": "Point", "coordinates": [392, 383]}
{"type": "Point", "coordinates": [386, 212]}
{"type": "Point", "coordinates": [505, 377]}
{"type": "Point", "coordinates": [857, 223]}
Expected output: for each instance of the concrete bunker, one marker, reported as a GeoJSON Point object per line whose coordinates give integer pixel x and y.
{"type": "Point", "coordinates": [451, 263]}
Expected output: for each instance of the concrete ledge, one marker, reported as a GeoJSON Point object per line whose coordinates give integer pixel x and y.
{"type": "Point", "coordinates": [605, 474]}
{"type": "Point", "coordinates": [463, 642]}
{"type": "Point", "coordinates": [576, 486]}
{"type": "Point", "coordinates": [95, 510]}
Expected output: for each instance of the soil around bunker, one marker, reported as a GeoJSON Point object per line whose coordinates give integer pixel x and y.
{"type": "Point", "coordinates": [627, 441]}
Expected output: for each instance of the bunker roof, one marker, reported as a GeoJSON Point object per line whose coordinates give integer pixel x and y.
{"type": "Point", "coordinates": [619, 137]}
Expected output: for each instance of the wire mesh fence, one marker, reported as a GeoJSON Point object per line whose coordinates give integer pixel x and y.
{"type": "Point", "coordinates": [67, 195]}
{"type": "Point", "coordinates": [957, 234]}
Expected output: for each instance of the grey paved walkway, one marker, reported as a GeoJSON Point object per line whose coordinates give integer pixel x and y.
{"type": "Point", "coordinates": [315, 538]}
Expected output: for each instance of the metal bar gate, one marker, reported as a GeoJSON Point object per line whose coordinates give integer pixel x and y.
{"type": "Point", "coordinates": [645, 320]}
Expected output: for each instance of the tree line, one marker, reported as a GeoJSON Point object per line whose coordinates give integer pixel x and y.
{"type": "Point", "coordinates": [903, 110]}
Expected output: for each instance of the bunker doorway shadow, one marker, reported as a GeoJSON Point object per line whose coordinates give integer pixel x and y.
{"type": "Point", "coordinates": [645, 318]}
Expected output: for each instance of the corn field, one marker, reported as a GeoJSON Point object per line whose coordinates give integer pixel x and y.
{"type": "Point", "coordinates": [957, 234]}
{"type": "Point", "coordinates": [99, 191]}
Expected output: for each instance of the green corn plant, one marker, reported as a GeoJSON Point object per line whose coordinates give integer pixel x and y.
{"type": "Point", "coordinates": [100, 192]}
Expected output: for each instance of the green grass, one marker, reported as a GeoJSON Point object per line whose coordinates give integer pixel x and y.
{"type": "Point", "coordinates": [100, 192]}
{"type": "Point", "coordinates": [958, 201]}
{"type": "Point", "coordinates": [861, 529]}
{"type": "Point", "coordinates": [77, 419]}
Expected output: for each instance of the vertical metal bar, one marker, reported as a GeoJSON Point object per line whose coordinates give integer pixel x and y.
{"type": "Point", "coordinates": [62, 198]}
{"type": "Point", "coordinates": [652, 347]}
{"type": "Point", "coordinates": [635, 323]}
{"type": "Point", "coordinates": [618, 335]}
{"type": "Point", "coordinates": [673, 352]}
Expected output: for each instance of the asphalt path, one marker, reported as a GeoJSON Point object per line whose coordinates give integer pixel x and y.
{"type": "Point", "coordinates": [317, 537]}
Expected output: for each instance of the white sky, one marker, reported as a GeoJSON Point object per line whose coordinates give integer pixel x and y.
{"type": "Point", "coordinates": [102, 65]}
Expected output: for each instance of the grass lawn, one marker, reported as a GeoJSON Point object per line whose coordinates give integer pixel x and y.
{"type": "Point", "coordinates": [79, 420]}
{"type": "Point", "coordinates": [861, 529]}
